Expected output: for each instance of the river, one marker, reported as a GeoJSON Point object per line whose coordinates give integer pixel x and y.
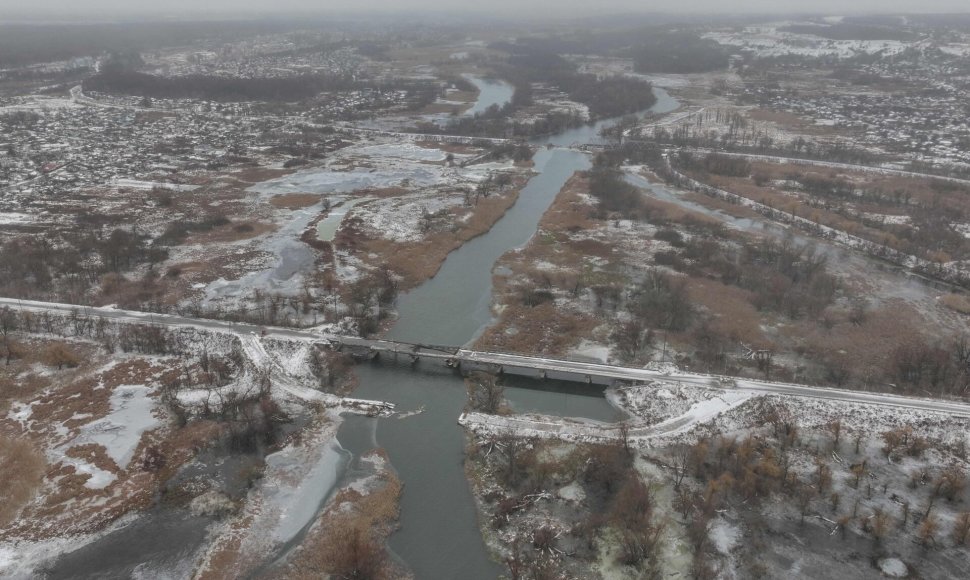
{"type": "Point", "coordinates": [490, 92]}
{"type": "Point", "coordinates": [439, 535]}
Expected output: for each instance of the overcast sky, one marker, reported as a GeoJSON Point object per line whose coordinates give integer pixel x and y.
{"type": "Point", "coordinates": [558, 8]}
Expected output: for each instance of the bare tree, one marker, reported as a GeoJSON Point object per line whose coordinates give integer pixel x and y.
{"type": "Point", "coordinates": [835, 428]}
{"type": "Point", "coordinates": [511, 447]}
{"type": "Point", "coordinates": [927, 531]}
{"type": "Point", "coordinates": [961, 529]}
{"type": "Point", "coordinates": [485, 392]}
{"type": "Point", "coordinates": [679, 462]}
{"type": "Point", "coordinates": [60, 355]}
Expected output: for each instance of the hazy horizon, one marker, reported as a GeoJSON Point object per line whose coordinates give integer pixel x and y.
{"type": "Point", "coordinates": [53, 9]}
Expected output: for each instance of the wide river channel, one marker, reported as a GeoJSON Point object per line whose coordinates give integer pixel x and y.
{"type": "Point", "coordinates": [439, 536]}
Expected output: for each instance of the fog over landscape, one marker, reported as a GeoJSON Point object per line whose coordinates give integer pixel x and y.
{"type": "Point", "coordinates": [547, 8]}
{"type": "Point", "coordinates": [496, 290]}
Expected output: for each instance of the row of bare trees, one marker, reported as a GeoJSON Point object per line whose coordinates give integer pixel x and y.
{"type": "Point", "coordinates": [717, 472]}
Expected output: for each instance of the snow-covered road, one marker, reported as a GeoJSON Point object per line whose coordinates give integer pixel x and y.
{"type": "Point", "coordinates": [636, 375]}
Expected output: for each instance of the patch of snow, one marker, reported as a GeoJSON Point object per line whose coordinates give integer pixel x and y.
{"type": "Point", "coordinates": [38, 103]}
{"type": "Point", "coordinates": [893, 567]}
{"type": "Point", "coordinates": [13, 218]}
{"type": "Point", "coordinates": [99, 479]}
{"type": "Point", "coordinates": [572, 492]}
{"type": "Point", "coordinates": [297, 483]}
{"type": "Point", "coordinates": [724, 535]}
{"type": "Point", "coordinates": [121, 430]}
{"type": "Point", "coordinates": [592, 351]}
{"type": "Point", "coordinates": [138, 184]}
{"type": "Point", "coordinates": [211, 503]}
{"type": "Point", "coordinates": [21, 412]}
{"type": "Point", "coordinates": [888, 219]}
{"type": "Point", "coordinates": [409, 151]}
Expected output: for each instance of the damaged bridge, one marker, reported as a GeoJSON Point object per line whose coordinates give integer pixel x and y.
{"type": "Point", "coordinates": [499, 363]}
{"type": "Point", "coordinates": [539, 367]}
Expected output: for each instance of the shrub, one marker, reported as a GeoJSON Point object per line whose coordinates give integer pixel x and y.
{"type": "Point", "coordinates": [21, 470]}
{"type": "Point", "coordinates": [60, 355]}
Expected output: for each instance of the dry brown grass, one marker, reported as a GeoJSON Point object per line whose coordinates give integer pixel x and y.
{"type": "Point", "coordinates": [675, 213]}
{"type": "Point", "coordinates": [570, 212]}
{"type": "Point", "coordinates": [733, 314]}
{"type": "Point", "coordinates": [21, 472]}
{"type": "Point", "coordinates": [294, 200]}
{"type": "Point", "coordinates": [353, 529]}
{"type": "Point", "coordinates": [224, 560]}
{"type": "Point", "coordinates": [958, 302]}
{"type": "Point", "coordinates": [731, 209]}
{"type": "Point", "coordinates": [73, 399]}
{"type": "Point", "coordinates": [19, 382]}
{"type": "Point", "coordinates": [82, 396]}
{"type": "Point", "coordinates": [418, 261]}
{"type": "Point", "coordinates": [259, 174]}
{"type": "Point", "coordinates": [382, 192]}
{"type": "Point", "coordinates": [796, 204]}
{"type": "Point", "coordinates": [866, 347]}
{"type": "Point", "coordinates": [544, 329]}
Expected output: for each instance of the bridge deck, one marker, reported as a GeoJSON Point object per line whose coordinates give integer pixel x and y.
{"type": "Point", "coordinates": [600, 374]}
{"type": "Point", "coordinates": [573, 370]}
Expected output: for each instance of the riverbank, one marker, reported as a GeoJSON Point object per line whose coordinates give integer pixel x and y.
{"type": "Point", "coordinates": [443, 231]}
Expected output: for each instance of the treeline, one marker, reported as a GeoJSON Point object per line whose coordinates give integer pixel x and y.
{"type": "Point", "coordinates": [606, 97]}
{"type": "Point", "coordinates": [44, 267]}
{"type": "Point", "coordinates": [851, 31]}
{"type": "Point", "coordinates": [618, 504]}
{"type": "Point", "coordinates": [615, 194]}
{"type": "Point", "coordinates": [751, 141]}
{"type": "Point", "coordinates": [494, 122]}
{"type": "Point", "coordinates": [531, 63]}
{"type": "Point", "coordinates": [716, 164]}
{"type": "Point", "coordinates": [826, 473]}
{"type": "Point", "coordinates": [24, 44]}
{"type": "Point", "coordinates": [677, 52]}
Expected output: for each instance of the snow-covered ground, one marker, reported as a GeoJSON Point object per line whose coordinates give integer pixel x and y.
{"type": "Point", "coordinates": [295, 485]}
{"type": "Point", "coordinates": [425, 184]}
{"type": "Point", "coordinates": [37, 102]}
{"type": "Point", "coordinates": [138, 184]}
{"type": "Point", "coordinates": [13, 218]}
{"type": "Point", "coordinates": [119, 433]}
{"type": "Point", "coordinates": [640, 433]}
{"type": "Point", "coordinates": [769, 41]}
